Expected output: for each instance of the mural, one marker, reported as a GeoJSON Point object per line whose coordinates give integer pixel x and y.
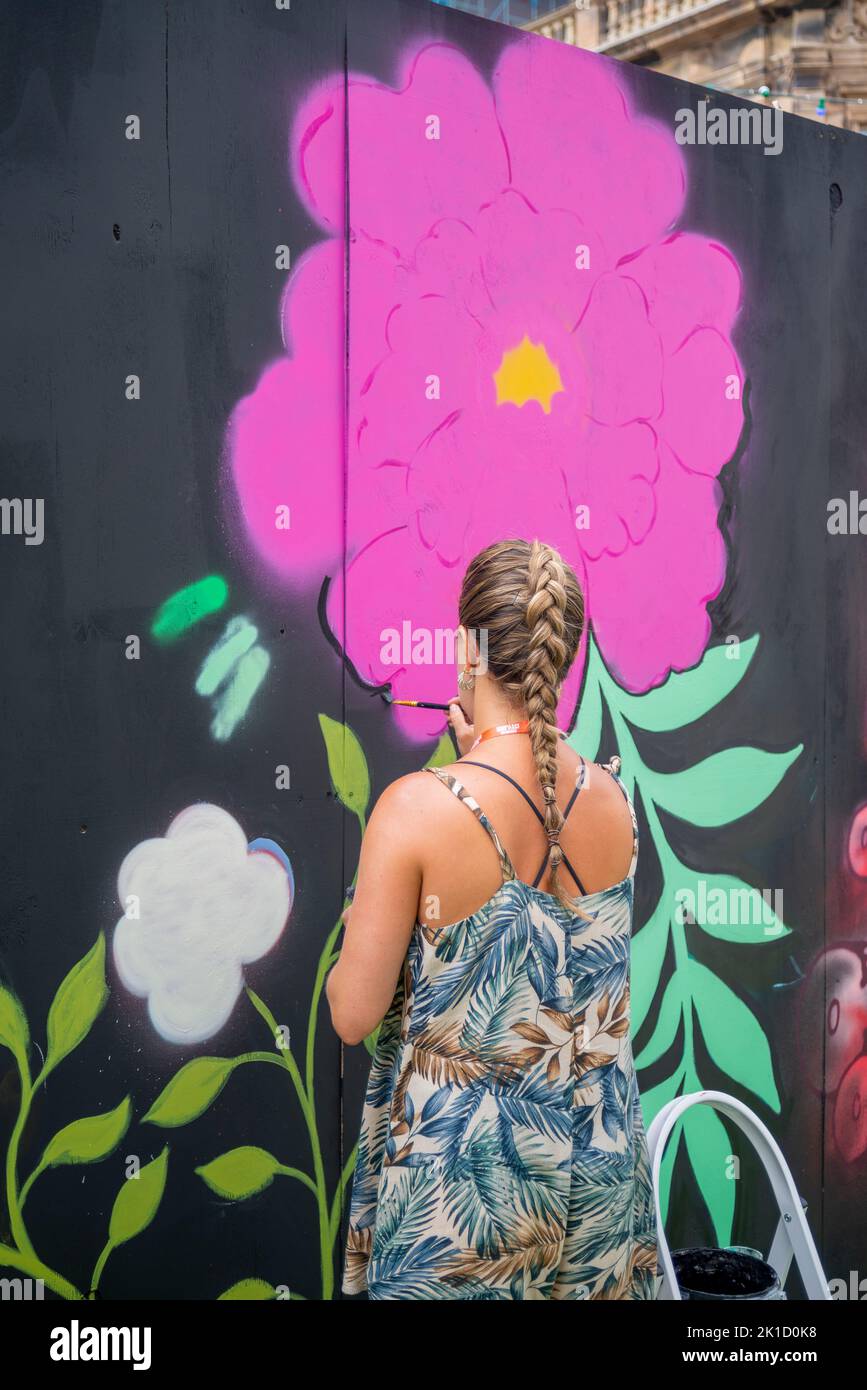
{"type": "Point", "coordinates": [78, 1001]}
{"type": "Point", "coordinates": [508, 315]}
{"type": "Point", "coordinates": [236, 665]}
{"type": "Point", "coordinates": [198, 907]}
{"type": "Point", "coordinates": [468, 285]}
{"type": "Point", "coordinates": [512, 317]}
{"type": "Point", "coordinates": [834, 1007]}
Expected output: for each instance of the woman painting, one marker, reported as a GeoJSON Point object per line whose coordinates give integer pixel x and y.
{"type": "Point", "coordinates": [502, 1152]}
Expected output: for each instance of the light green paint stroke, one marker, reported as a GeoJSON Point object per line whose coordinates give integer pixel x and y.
{"type": "Point", "coordinates": [346, 764]}
{"type": "Point", "coordinates": [648, 947]}
{"type": "Point", "coordinates": [588, 726]}
{"type": "Point", "coordinates": [235, 700]}
{"type": "Point", "coordinates": [733, 1035]}
{"type": "Point", "coordinates": [238, 638]}
{"type": "Point", "coordinates": [717, 791]}
{"type": "Point", "coordinates": [188, 607]}
{"type": "Point", "coordinates": [723, 788]}
{"type": "Point", "coordinates": [710, 1153]}
{"type": "Point", "coordinates": [688, 695]}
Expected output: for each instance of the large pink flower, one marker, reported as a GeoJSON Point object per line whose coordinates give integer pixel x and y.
{"type": "Point", "coordinates": [531, 349]}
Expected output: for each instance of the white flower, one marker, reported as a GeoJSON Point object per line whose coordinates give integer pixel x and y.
{"type": "Point", "coordinates": [198, 905]}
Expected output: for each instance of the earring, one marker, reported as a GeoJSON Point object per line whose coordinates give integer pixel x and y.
{"type": "Point", "coordinates": [466, 679]}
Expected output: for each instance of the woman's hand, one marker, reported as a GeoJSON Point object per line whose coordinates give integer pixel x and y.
{"type": "Point", "coordinates": [463, 732]}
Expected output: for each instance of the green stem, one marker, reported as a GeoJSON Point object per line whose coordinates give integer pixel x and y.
{"type": "Point", "coordinates": [308, 1110]}
{"type": "Point", "coordinates": [16, 1220]}
{"type": "Point", "coordinates": [22, 1197]}
{"type": "Point", "coordinates": [259, 1057]}
{"type": "Point", "coordinates": [42, 1166]}
{"type": "Point", "coordinates": [631, 758]}
{"type": "Point", "coordinates": [283, 1057]}
{"type": "Point", "coordinates": [99, 1267]}
{"type": "Point", "coordinates": [30, 1264]}
{"type": "Point", "coordinates": [25, 1257]}
{"type": "Point", "coordinates": [327, 1228]}
{"type": "Point", "coordinates": [337, 1203]}
{"type": "Point", "coordinates": [304, 1089]}
{"type": "Point", "coordinates": [318, 986]}
{"type": "Point", "coordinates": [305, 1178]}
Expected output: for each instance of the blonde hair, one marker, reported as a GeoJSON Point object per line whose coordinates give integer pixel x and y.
{"type": "Point", "coordinates": [529, 603]}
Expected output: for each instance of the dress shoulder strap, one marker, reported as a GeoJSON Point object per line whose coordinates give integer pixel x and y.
{"type": "Point", "coordinates": [463, 795]}
{"type": "Point", "coordinates": [613, 766]}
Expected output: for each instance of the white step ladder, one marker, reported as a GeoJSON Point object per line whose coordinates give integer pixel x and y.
{"type": "Point", "coordinates": [792, 1235]}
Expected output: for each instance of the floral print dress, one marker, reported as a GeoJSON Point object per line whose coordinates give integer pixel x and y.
{"type": "Point", "coordinates": [502, 1152]}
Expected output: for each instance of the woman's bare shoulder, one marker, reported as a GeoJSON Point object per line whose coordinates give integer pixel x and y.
{"type": "Point", "coordinates": [412, 792]}
{"type": "Point", "coordinates": [601, 782]}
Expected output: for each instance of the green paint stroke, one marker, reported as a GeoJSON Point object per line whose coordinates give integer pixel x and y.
{"type": "Point", "coordinates": [235, 700]}
{"type": "Point", "coordinates": [188, 607]}
{"type": "Point", "coordinates": [347, 765]}
{"type": "Point", "coordinates": [722, 788]}
{"type": "Point", "coordinates": [135, 1207]}
{"type": "Point", "coordinates": [79, 1000]}
{"type": "Point", "coordinates": [236, 641]}
{"type": "Point", "coordinates": [244, 1172]}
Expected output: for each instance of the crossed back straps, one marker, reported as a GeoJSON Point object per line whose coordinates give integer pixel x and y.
{"type": "Point", "coordinates": [460, 791]}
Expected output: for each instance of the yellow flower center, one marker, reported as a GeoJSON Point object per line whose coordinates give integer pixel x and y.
{"type": "Point", "coordinates": [527, 373]}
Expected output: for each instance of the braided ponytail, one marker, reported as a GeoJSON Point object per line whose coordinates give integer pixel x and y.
{"type": "Point", "coordinates": [530, 654]}
{"type": "Point", "coordinates": [546, 622]}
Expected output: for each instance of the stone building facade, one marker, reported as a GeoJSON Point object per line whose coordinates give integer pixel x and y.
{"type": "Point", "coordinates": [809, 59]}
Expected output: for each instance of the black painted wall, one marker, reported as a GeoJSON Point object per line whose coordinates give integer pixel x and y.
{"type": "Point", "coordinates": [156, 257]}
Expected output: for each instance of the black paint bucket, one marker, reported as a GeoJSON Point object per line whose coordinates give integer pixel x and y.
{"type": "Point", "coordinates": [706, 1272]}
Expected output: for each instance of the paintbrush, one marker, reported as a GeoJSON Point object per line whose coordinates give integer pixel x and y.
{"type": "Point", "coordinates": [411, 704]}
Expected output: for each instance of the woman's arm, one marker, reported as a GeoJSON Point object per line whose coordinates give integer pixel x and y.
{"type": "Point", "coordinates": [380, 920]}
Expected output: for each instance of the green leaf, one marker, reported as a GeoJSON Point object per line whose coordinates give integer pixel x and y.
{"type": "Point", "coordinates": [587, 732]}
{"type": "Point", "coordinates": [372, 1039]}
{"type": "Point", "coordinates": [14, 1032]}
{"type": "Point", "coordinates": [687, 695]}
{"type": "Point", "coordinates": [655, 1097]}
{"type": "Point", "coordinates": [729, 909]}
{"type": "Point", "coordinates": [733, 1035]}
{"type": "Point", "coordinates": [710, 1151]}
{"type": "Point", "coordinates": [88, 1140]}
{"type": "Point", "coordinates": [190, 1091]}
{"type": "Point", "coordinates": [346, 764]}
{"type": "Point", "coordinates": [136, 1204]}
{"type": "Point", "coordinates": [257, 1289]}
{"type": "Point", "coordinates": [240, 1173]}
{"type": "Point", "coordinates": [722, 788]}
{"type": "Point", "coordinates": [443, 754]}
{"type": "Point", "coordinates": [665, 1032]}
{"type": "Point", "coordinates": [77, 1003]}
